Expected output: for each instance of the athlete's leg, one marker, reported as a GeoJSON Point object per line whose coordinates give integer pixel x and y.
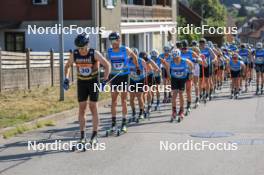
{"type": "Point", "coordinates": [82, 122]}
{"type": "Point", "coordinates": [114, 96]}
{"type": "Point", "coordinates": [95, 118]}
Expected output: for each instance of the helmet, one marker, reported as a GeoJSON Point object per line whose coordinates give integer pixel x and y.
{"type": "Point", "coordinates": [135, 50]}
{"type": "Point", "coordinates": [202, 40]}
{"type": "Point", "coordinates": [175, 53]}
{"type": "Point", "coordinates": [143, 55]}
{"type": "Point", "coordinates": [81, 40]}
{"type": "Point", "coordinates": [259, 45]}
{"type": "Point", "coordinates": [243, 45]}
{"type": "Point", "coordinates": [166, 49]}
{"type": "Point", "coordinates": [114, 36]}
{"type": "Point", "coordinates": [154, 53]}
{"type": "Point", "coordinates": [194, 43]}
{"type": "Point", "coordinates": [235, 55]}
{"type": "Point", "coordinates": [178, 44]}
{"type": "Point", "coordinates": [184, 43]}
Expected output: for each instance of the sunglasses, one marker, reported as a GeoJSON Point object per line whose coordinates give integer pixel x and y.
{"type": "Point", "coordinates": [113, 41]}
{"type": "Point", "coordinates": [81, 48]}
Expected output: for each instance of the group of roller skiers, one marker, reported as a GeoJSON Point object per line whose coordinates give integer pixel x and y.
{"type": "Point", "coordinates": [200, 66]}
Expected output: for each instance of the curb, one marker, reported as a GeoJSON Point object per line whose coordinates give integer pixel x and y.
{"type": "Point", "coordinates": [54, 117]}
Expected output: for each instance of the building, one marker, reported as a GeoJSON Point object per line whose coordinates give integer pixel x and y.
{"type": "Point", "coordinates": [138, 21]}
{"type": "Point", "coordinates": [17, 15]}
{"type": "Point", "coordinates": [252, 31]}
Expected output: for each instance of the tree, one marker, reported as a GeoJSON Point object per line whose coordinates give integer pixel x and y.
{"type": "Point", "coordinates": [213, 11]}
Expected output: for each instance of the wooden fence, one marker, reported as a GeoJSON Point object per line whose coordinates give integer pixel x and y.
{"type": "Point", "coordinates": [30, 69]}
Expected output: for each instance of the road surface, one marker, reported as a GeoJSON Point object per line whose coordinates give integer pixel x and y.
{"type": "Point", "coordinates": [139, 151]}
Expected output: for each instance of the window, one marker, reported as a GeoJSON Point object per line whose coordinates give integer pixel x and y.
{"type": "Point", "coordinates": [40, 2]}
{"type": "Point", "coordinates": [15, 41]}
{"type": "Point", "coordinates": [110, 4]}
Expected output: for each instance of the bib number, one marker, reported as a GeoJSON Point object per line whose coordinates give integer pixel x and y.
{"type": "Point", "coordinates": [118, 66]}
{"type": "Point", "coordinates": [85, 71]}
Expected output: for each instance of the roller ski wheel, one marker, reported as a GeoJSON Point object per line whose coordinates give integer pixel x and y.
{"type": "Point", "coordinates": [188, 111]}
{"type": "Point", "coordinates": [180, 117]}
{"type": "Point", "coordinates": [110, 131]}
{"type": "Point", "coordinates": [147, 115]}
{"type": "Point", "coordinates": [132, 119]}
{"type": "Point", "coordinates": [121, 131]}
{"type": "Point", "coordinates": [79, 146]}
{"type": "Point", "coordinates": [196, 104]}
{"type": "Point", "coordinates": [173, 117]}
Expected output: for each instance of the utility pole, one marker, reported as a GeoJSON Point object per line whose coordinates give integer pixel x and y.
{"type": "Point", "coordinates": [61, 48]}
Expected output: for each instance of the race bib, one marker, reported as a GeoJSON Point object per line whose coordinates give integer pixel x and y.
{"type": "Point", "coordinates": [85, 71]}
{"type": "Point", "coordinates": [118, 66]}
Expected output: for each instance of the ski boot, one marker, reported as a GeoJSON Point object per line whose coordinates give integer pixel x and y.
{"type": "Point", "coordinates": [157, 107]}
{"type": "Point", "coordinates": [180, 116]}
{"type": "Point", "coordinates": [140, 117]}
{"type": "Point", "coordinates": [123, 128]}
{"type": "Point", "coordinates": [196, 103]}
{"type": "Point", "coordinates": [188, 109]}
{"type": "Point", "coordinates": [257, 91]}
{"type": "Point", "coordinates": [112, 130]}
{"type": "Point", "coordinates": [80, 145]}
{"type": "Point", "coordinates": [133, 117]}
{"type": "Point", "coordinates": [173, 115]}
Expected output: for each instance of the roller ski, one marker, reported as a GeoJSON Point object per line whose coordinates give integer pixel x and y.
{"type": "Point", "coordinates": [122, 130]}
{"type": "Point", "coordinates": [232, 94]}
{"type": "Point", "coordinates": [140, 117]}
{"type": "Point", "coordinates": [257, 91]}
{"type": "Point", "coordinates": [133, 117]}
{"type": "Point", "coordinates": [196, 103]}
{"type": "Point", "coordinates": [80, 145]}
{"type": "Point", "coordinates": [188, 109]}
{"type": "Point", "coordinates": [157, 107]}
{"type": "Point", "coordinates": [173, 116]}
{"type": "Point", "coordinates": [180, 116]}
{"type": "Point", "coordinates": [147, 113]}
{"type": "Point", "coordinates": [111, 131]}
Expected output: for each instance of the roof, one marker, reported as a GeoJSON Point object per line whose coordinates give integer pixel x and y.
{"type": "Point", "coordinates": [190, 15]}
{"type": "Point", "coordinates": [257, 34]}
{"type": "Point", "coordinates": [9, 24]}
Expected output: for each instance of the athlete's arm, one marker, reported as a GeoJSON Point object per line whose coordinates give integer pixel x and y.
{"type": "Point", "coordinates": [166, 65]}
{"type": "Point", "coordinates": [154, 65]}
{"type": "Point", "coordinates": [131, 54]}
{"type": "Point", "coordinates": [67, 66]}
{"type": "Point", "coordinates": [103, 61]}
{"type": "Point", "coordinates": [213, 55]}
{"type": "Point", "coordinates": [190, 65]}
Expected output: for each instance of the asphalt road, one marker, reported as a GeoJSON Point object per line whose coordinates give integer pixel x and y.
{"type": "Point", "coordinates": [240, 122]}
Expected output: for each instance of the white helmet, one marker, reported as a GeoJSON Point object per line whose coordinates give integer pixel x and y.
{"type": "Point", "coordinates": [154, 53]}
{"type": "Point", "coordinates": [259, 45]}
{"type": "Point", "coordinates": [175, 53]}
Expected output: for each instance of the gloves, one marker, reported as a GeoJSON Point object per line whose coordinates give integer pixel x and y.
{"type": "Point", "coordinates": [66, 84]}
{"type": "Point", "coordinates": [138, 71]}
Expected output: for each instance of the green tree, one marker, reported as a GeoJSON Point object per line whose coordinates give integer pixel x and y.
{"type": "Point", "coordinates": [181, 22]}
{"type": "Point", "coordinates": [212, 11]}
